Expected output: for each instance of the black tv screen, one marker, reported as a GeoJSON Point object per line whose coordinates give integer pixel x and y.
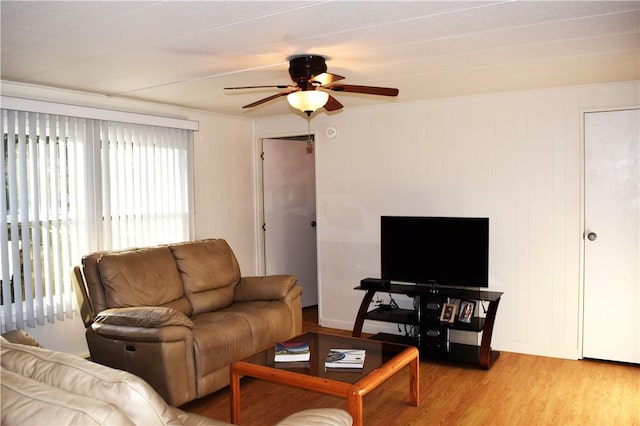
{"type": "Point", "coordinates": [448, 251]}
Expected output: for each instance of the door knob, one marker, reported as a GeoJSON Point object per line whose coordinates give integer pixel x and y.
{"type": "Point", "coordinates": [313, 223]}
{"type": "Point", "coordinates": [592, 236]}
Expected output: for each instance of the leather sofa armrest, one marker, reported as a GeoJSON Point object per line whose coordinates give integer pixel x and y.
{"type": "Point", "coordinates": [272, 287]}
{"type": "Point", "coordinates": [142, 334]}
{"type": "Point", "coordinates": [192, 419]}
{"type": "Point", "coordinates": [318, 416]}
{"type": "Point", "coordinates": [144, 317]}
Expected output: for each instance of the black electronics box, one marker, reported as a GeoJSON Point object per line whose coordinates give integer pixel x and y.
{"type": "Point", "coordinates": [375, 284]}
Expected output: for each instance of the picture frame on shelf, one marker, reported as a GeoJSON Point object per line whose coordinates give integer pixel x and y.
{"type": "Point", "coordinates": [467, 308]}
{"type": "Point", "coordinates": [448, 314]}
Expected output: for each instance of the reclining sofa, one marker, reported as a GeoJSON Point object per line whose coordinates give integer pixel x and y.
{"type": "Point", "coordinates": [178, 315]}
{"type": "Point", "coordinates": [44, 387]}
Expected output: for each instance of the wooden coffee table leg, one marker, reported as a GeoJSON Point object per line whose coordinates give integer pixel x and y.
{"type": "Point", "coordinates": [414, 381]}
{"type": "Point", "coordinates": [235, 397]}
{"type": "Point", "coordinates": [354, 407]}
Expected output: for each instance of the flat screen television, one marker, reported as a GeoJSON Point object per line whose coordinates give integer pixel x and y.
{"type": "Point", "coordinates": [447, 251]}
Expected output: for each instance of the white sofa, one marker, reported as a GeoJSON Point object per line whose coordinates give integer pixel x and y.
{"type": "Point", "coordinates": [44, 387]}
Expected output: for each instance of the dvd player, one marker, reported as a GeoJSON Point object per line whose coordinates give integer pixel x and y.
{"type": "Point", "coordinates": [375, 284]}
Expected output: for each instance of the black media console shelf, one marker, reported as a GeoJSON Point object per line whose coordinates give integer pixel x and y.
{"type": "Point", "coordinates": [429, 334]}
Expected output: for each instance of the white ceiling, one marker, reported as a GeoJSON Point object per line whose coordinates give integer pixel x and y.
{"type": "Point", "coordinates": [185, 53]}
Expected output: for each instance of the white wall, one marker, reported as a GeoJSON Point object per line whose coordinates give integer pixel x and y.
{"type": "Point", "coordinates": [224, 166]}
{"type": "Point", "coordinates": [514, 157]}
{"type": "Point", "coordinates": [223, 180]}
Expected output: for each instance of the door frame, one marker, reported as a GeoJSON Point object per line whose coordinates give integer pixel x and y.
{"type": "Point", "coordinates": [583, 207]}
{"type": "Point", "coordinates": [259, 191]}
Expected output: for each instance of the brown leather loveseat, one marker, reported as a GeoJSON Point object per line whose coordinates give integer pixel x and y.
{"type": "Point", "coordinates": [178, 315]}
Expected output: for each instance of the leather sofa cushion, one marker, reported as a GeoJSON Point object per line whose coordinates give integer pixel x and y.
{"type": "Point", "coordinates": [142, 277]}
{"type": "Point", "coordinates": [66, 372]}
{"type": "Point", "coordinates": [29, 402]}
{"type": "Point", "coordinates": [237, 332]}
{"type": "Point", "coordinates": [21, 337]}
{"type": "Point", "coordinates": [209, 272]}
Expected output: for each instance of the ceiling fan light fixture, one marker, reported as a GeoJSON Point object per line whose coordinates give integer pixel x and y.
{"type": "Point", "coordinates": [312, 83]}
{"type": "Point", "coordinates": [308, 101]}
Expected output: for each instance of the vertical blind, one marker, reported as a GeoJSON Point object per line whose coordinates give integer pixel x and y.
{"type": "Point", "coordinates": [76, 185]}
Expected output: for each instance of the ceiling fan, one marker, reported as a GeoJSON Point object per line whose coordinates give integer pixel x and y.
{"type": "Point", "coordinates": [312, 81]}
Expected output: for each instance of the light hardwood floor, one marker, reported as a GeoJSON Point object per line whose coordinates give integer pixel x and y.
{"type": "Point", "coordinates": [517, 390]}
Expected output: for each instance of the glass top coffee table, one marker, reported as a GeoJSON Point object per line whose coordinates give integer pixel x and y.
{"type": "Point", "coordinates": [382, 360]}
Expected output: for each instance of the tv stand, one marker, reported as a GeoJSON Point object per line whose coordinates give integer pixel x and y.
{"type": "Point", "coordinates": [430, 335]}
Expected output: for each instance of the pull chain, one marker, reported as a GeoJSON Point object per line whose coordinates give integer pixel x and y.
{"type": "Point", "coordinates": [309, 141]}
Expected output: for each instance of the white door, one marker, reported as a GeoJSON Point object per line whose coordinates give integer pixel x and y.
{"type": "Point", "coordinates": [290, 213]}
{"type": "Point", "coordinates": [612, 236]}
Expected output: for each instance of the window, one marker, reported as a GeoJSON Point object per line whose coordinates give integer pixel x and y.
{"type": "Point", "coordinates": [76, 185]}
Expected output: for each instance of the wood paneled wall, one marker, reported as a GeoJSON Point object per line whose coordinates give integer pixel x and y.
{"type": "Point", "coordinates": [513, 157]}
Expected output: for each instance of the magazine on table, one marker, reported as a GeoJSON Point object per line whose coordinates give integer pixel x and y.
{"type": "Point", "coordinates": [345, 358]}
{"type": "Point", "coordinates": [292, 352]}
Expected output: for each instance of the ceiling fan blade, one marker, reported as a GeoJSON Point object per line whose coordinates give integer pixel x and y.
{"type": "Point", "coordinates": [326, 78]}
{"type": "Point", "coordinates": [369, 90]}
{"type": "Point", "coordinates": [267, 99]}
{"type": "Point", "coordinates": [285, 86]}
{"type": "Point", "coordinates": [332, 104]}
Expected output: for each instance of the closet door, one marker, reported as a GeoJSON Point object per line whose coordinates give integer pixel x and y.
{"type": "Point", "coordinates": [612, 236]}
